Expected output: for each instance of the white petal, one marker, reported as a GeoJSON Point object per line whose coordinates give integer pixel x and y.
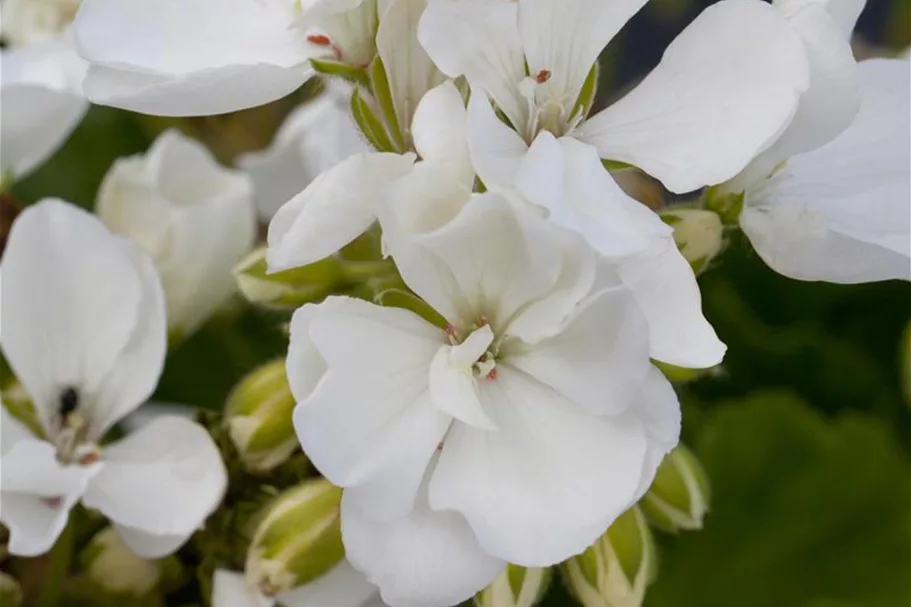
{"type": "Point", "coordinates": [163, 480]}
{"type": "Point", "coordinates": [840, 213]}
{"type": "Point", "coordinates": [368, 425]}
{"type": "Point", "coordinates": [453, 388]}
{"type": "Point", "coordinates": [590, 203]}
{"type": "Point", "coordinates": [151, 56]}
{"type": "Point", "coordinates": [566, 37]}
{"type": "Point", "coordinates": [708, 108]}
{"type": "Point", "coordinates": [41, 103]}
{"type": "Point", "coordinates": [36, 492]}
{"type": "Point", "coordinates": [71, 303]}
{"type": "Point", "coordinates": [333, 210]}
{"type": "Point", "coordinates": [659, 410]}
{"type": "Point", "coordinates": [440, 134]}
{"type": "Point", "coordinates": [314, 138]}
{"type": "Point", "coordinates": [230, 589]}
{"type": "Point", "coordinates": [845, 12]}
{"type": "Point", "coordinates": [477, 264]}
{"type": "Point", "coordinates": [134, 375]}
{"type": "Point", "coordinates": [193, 216]}
{"type": "Point", "coordinates": [830, 104]}
{"type": "Point", "coordinates": [549, 482]}
{"type": "Point", "coordinates": [666, 290]}
{"type": "Point", "coordinates": [496, 150]}
{"type": "Point", "coordinates": [150, 545]}
{"type": "Point", "coordinates": [410, 71]}
{"type": "Point", "coordinates": [600, 358]}
{"type": "Point", "coordinates": [480, 40]}
{"type": "Point", "coordinates": [342, 586]}
{"type": "Point", "coordinates": [423, 559]}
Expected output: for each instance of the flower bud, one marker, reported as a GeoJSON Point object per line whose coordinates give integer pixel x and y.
{"type": "Point", "coordinates": [616, 569]}
{"type": "Point", "coordinates": [10, 591]}
{"type": "Point", "coordinates": [515, 587]}
{"type": "Point", "coordinates": [679, 495]}
{"type": "Point", "coordinates": [115, 569]}
{"type": "Point", "coordinates": [258, 415]}
{"type": "Point", "coordinates": [699, 234]}
{"type": "Point", "coordinates": [298, 540]}
{"type": "Point", "coordinates": [193, 217]}
{"type": "Point", "coordinates": [289, 289]}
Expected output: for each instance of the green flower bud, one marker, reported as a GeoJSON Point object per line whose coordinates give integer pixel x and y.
{"type": "Point", "coordinates": [289, 289]}
{"type": "Point", "coordinates": [906, 363]}
{"type": "Point", "coordinates": [616, 569]}
{"type": "Point", "coordinates": [679, 495]}
{"type": "Point", "coordinates": [258, 416]}
{"type": "Point", "coordinates": [699, 235]}
{"type": "Point", "coordinates": [298, 540]}
{"type": "Point", "coordinates": [115, 569]}
{"type": "Point", "coordinates": [515, 587]}
{"type": "Point", "coordinates": [10, 591]}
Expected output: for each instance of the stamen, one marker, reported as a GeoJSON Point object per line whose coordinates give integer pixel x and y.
{"type": "Point", "coordinates": [319, 40]}
{"type": "Point", "coordinates": [542, 76]}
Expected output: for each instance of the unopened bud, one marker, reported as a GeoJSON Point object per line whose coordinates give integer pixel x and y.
{"type": "Point", "coordinates": [113, 568]}
{"type": "Point", "coordinates": [258, 415]}
{"type": "Point", "coordinates": [616, 569]}
{"type": "Point", "coordinates": [298, 540]}
{"type": "Point", "coordinates": [515, 587]}
{"type": "Point", "coordinates": [10, 591]}
{"type": "Point", "coordinates": [290, 288]}
{"type": "Point", "coordinates": [679, 495]}
{"type": "Point", "coordinates": [699, 234]}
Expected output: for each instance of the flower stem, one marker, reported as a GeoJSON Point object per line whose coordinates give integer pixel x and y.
{"type": "Point", "coordinates": [49, 573]}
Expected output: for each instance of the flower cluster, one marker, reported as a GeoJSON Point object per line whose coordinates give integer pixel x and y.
{"type": "Point", "coordinates": [486, 386]}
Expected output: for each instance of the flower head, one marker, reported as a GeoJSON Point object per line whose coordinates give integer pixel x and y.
{"type": "Point", "coordinates": [84, 331]}
{"type": "Point", "coordinates": [516, 432]}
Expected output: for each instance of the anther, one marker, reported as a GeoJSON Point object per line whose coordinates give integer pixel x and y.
{"type": "Point", "coordinates": [319, 40]}
{"type": "Point", "coordinates": [542, 76]}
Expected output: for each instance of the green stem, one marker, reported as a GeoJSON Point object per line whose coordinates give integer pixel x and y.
{"type": "Point", "coordinates": [51, 571]}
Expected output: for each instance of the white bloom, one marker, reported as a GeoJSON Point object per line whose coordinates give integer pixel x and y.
{"type": "Point", "coordinates": [344, 201]}
{"type": "Point", "coordinates": [148, 55]}
{"type": "Point", "coordinates": [841, 212]}
{"type": "Point", "coordinates": [40, 82]}
{"type": "Point", "coordinates": [194, 217]}
{"type": "Point", "coordinates": [342, 586]}
{"type": "Point", "coordinates": [84, 331]}
{"type": "Point", "coordinates": [565, 177]}
{"type": "Point", "coordinates": [724, 90]}
{"type": "Point", "coordinates": [314, 138]}
{"type": "Point", "coordinates": [517, 433]}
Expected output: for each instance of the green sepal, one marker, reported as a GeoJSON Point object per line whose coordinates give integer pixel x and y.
{"type": "Point", "coordinates": [382, 92]}
{"type": "Point", "coordinates": [587, 95]}
{"type": "Point", "coordinates": [399, 298]}
{"type": "Point", "coordinates": [354, 75]}
{"type": "Point", "coordinates": [369, 123]}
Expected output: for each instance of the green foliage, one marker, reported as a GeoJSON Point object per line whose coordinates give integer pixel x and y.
{"type": "Point", "coordinates": [806, 512]}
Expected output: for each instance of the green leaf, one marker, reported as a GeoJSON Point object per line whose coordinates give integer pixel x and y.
{"type": "Point", "coordinates": [805, 512]}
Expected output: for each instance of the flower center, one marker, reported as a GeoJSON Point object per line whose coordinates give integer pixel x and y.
{"type": "Point", "coordinates": [71, 435]}
{"type": "Point", "coordinates": [30, 21]}
{"type": "Point", "coordinates": [547, 109]}
{"type": "Point", "coordinates": [475, 348]}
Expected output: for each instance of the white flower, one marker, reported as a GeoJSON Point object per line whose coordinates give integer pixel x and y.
{"type": "Point", "coordinates": [841, 212]}
{"type": "Point", "coordinates": [40, 82]}
{"type": "Point", "coordinates": [314, 138]}
{"type": "Point", "coordinates": [724, 90]}
{"type": "Point", "coordinates": [148, 55]}
{"type": "Point", "coordinates": [344, 201]}
{"type": "Point", "coordinates": [84, 331]}
{"type": "Point", "coordinates": [342, 586]}
{"type": "Point", "coordinates": [565, 177]}
{"type": "Point", "coordinates": [194, 217]}
{"type": "Point", "coordinates": [829, 200]}
{"type": "Point", "coordinates": [516, 433]}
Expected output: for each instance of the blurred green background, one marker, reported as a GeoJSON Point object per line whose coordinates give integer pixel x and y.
{"type": "Point", "coordinates": [805, 431]}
